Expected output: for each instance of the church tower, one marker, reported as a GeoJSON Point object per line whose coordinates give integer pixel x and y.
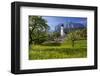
{"type": "Point", "coordinates": [62, 30]}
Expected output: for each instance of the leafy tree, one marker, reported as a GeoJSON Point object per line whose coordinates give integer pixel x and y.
{"type": "Point", "coordinates": [56, 36]}
{"type": "Point", "coordinates": [72, 37]}
{"type": "Point", "coordinates": [37, 29]}
{"type": "Point", "coordinates": [77, 35]}
{"type": "Point", "coordinates": [84, 33]}
{"type": "Point", "coordinates": [53, 36]}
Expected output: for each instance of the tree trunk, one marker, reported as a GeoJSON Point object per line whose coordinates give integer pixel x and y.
{"type": "Point", "coordinates": [73, 43]}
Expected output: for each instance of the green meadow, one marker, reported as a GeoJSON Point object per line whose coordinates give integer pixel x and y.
{"type": "Point", "coordinates": [58, 50]}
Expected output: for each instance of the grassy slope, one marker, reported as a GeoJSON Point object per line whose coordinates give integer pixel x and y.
{"type": "Point", "coordinates": [64, 50]}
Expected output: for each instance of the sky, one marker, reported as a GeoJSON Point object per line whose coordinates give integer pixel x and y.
{"type": "Point", "coordinates": [53, 21]}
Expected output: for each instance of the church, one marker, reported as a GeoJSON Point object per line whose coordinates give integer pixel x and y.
{"type": "Point", "coordinates": [62, 31]}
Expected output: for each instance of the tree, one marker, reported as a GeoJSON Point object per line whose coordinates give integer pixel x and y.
{"type": "Point", "coordinates": [77, 35]}
{"type": "Point", "coordinates": [56, 36]}
{"type": "Point", "coordinates": [72, 37]}
{"type": "Point", "coordinates": [37, 29]}
{"type": "Point", "coordinates": [84, 33]}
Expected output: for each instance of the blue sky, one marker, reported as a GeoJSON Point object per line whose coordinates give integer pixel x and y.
{"type": "Point", "coordinates": [53, 21]}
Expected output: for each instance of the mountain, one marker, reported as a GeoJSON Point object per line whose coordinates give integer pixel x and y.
{"type": "Point", "coordinates": [69, 26]}
{"type": "Point", "coordinates": [74, 25]}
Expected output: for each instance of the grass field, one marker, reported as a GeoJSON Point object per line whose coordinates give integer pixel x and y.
{"type": "Point", "coordinates": [58, 51]}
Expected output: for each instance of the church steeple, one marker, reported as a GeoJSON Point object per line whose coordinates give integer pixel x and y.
{"type": "Point", "coordinates": [62, 30]}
